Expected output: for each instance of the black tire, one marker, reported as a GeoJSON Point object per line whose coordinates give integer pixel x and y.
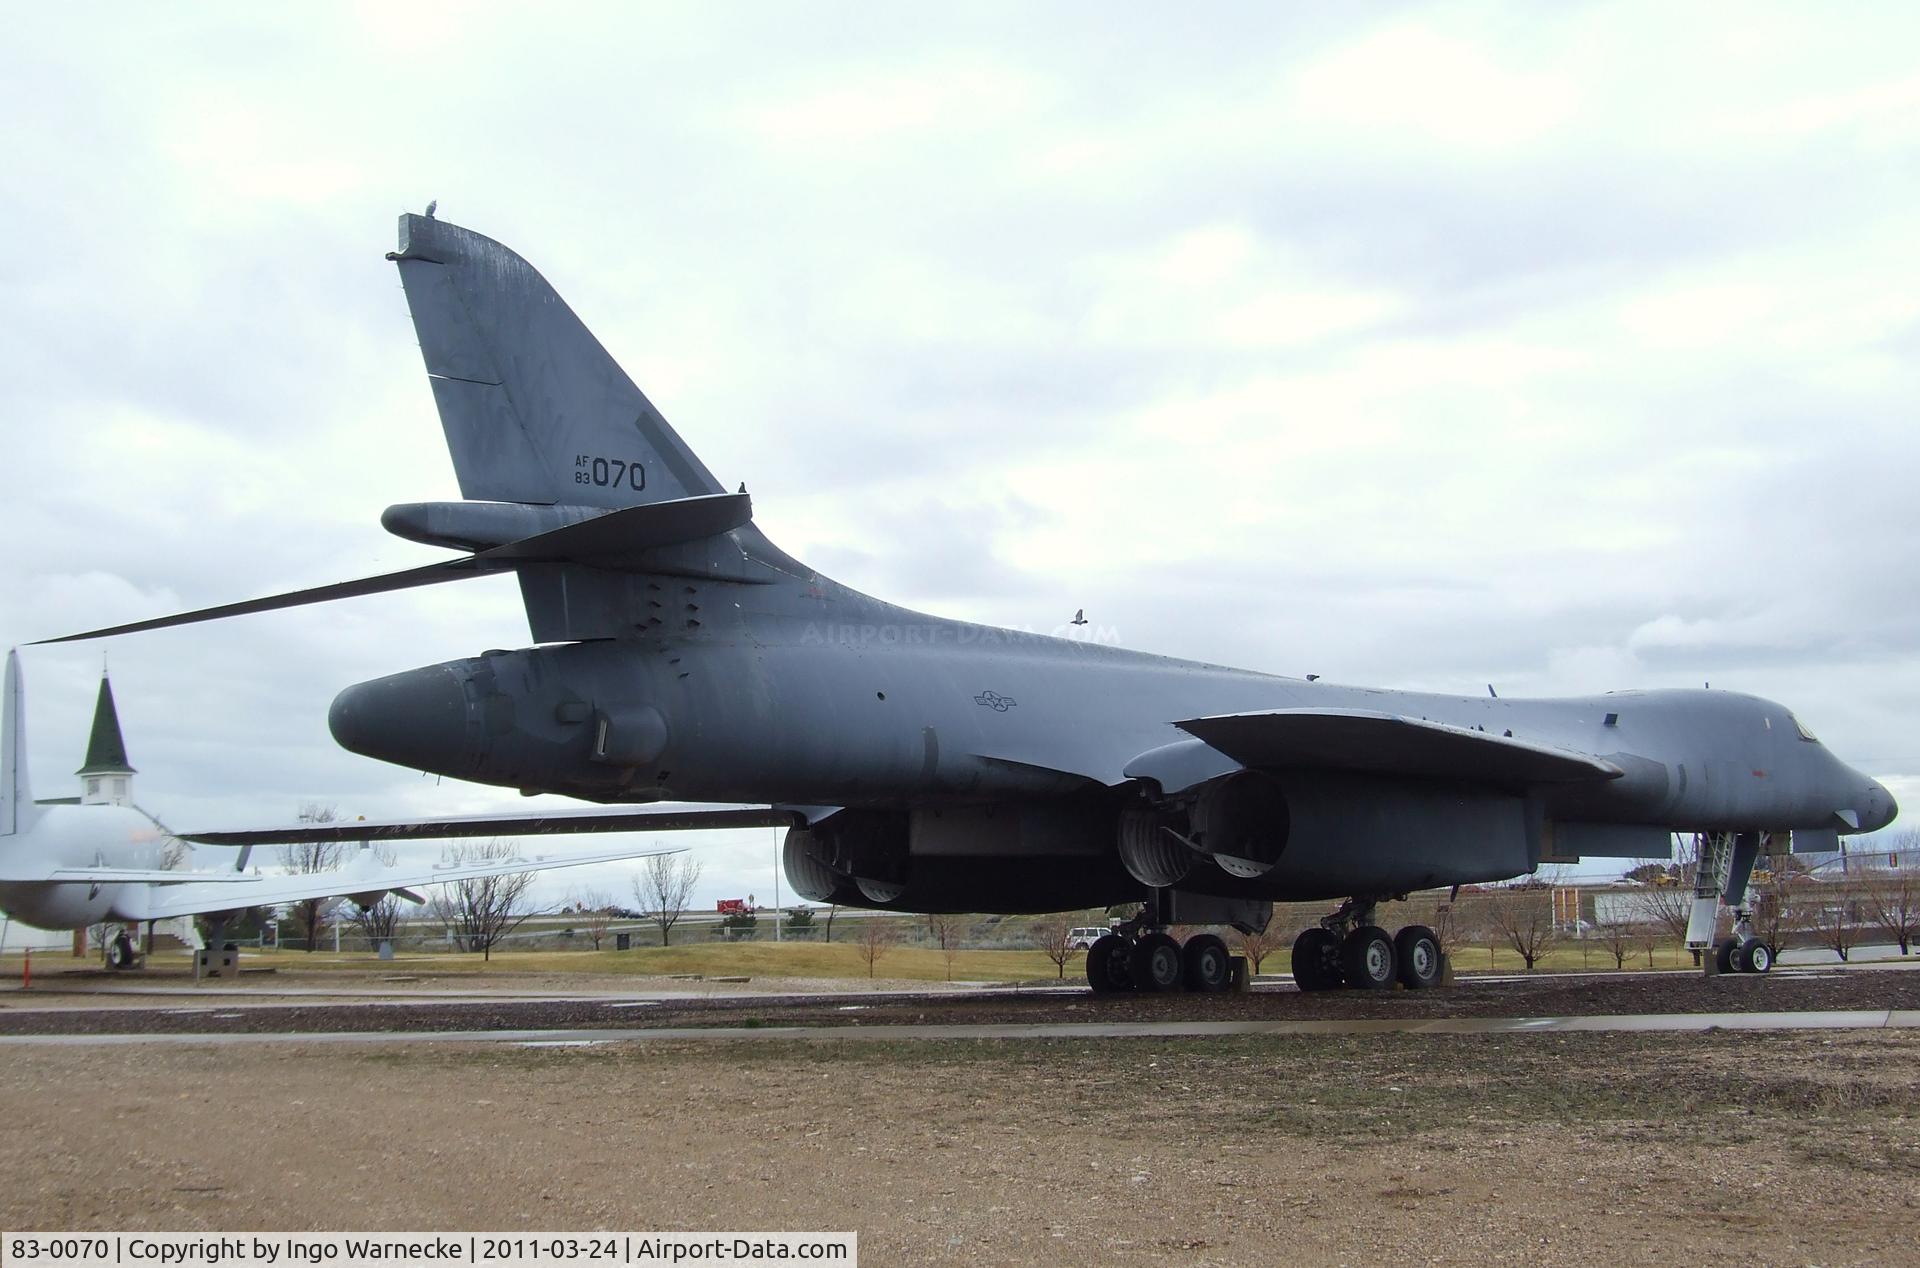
{"type": "Point", "coordinates": [1367, 960]}
{"type": "Point", "coordinates": [1315, 962]}
{"type": "Point", "coordinates": [1206, 965]}
{"type": "Point", "coordinates": [120, 952]}
{"type": "Point", "coordinates": [1417, 950]}
{"type": "Point", "coordinates": [1155, 963]}
{"type": "Point", "coordinates": [1723, 956]}
{"type": "Point", "coordinates": [1754, 956]}
{"type": "Point", "coordinates": [1107, 964]}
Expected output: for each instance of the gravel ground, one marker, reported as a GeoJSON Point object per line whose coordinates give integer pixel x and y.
{"type": "Point", "coordinates": [1547, 995]}
{"type": "Point", "coordinates": [1768, 1148]}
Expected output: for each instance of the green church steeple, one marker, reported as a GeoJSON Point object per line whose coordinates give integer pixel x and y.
{"type": "Point", "coordinates": [106, 750]}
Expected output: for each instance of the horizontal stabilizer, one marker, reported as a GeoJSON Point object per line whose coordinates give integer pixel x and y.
{"type": "Point", "coordinates": [614, 540]}
{"type": "Point", "coordinates": [682, 819]}
{"type": "Point", "coordinates": [1387, 744]}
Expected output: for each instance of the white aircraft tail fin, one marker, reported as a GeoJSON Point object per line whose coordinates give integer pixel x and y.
{"type": "Point", "coordinates": [17, 810]}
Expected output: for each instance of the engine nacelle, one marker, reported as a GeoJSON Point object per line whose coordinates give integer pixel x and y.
{"type": "Point", "coordinates": [58, 906]}
{"type": "Point", "coordinates": [1244, 822]}
{"type": "Point", "coordinates": [1309, 835]}
{"type": "Point", "coordinates": [1007, 857]}
{"type": "Point", "coordinates": [1149, 851]}
{"type": "Point", "coordinates": [808, 875]}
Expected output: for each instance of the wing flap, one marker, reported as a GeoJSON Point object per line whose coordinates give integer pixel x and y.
{"type": "Point", "coordinates": [1389, 744]}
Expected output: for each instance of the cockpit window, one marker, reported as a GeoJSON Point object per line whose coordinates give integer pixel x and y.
{"type": "Point", "coordinates": [1805, 734]}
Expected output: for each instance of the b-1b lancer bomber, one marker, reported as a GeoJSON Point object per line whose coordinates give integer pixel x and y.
{"type": "Point", "coordinates": [930, 765]}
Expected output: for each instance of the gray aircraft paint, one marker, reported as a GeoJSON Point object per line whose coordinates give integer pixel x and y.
{"type": "Point", "coordinates": [978, 768]}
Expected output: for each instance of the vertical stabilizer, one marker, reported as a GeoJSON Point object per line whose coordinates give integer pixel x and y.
{"type": "Point", "coordinates": [16, 798]}
{"type": "Point", "coordinates": [534, 408]}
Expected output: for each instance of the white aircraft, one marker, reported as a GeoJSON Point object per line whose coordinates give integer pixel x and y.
{"type": "Point", "coordinates": [65, 865]}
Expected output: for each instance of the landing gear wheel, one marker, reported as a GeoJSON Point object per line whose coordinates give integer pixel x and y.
{"type": "Point", "coordinates": [1315, 961]}
{"type": "Point", "coordinates": [1107, 964]}
{"type": "Point", "coordinates": [1207, 966]}
{"type": "Point", "coordinates": [1155, 963]}
{"type": "Point", "coordinates": [1723, 956]}
{"type": "Point", "coordinates": [1367, 959]}
{"type": "Point", "coordinates": [1417, 949]}
{"type": "Point", "coordinates": [1754, 956]}
{"type": "Point", "coordinates": [120, 952]}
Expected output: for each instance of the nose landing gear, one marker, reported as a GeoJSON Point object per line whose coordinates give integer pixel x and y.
{"type": "Point", "coordinates": [1725, 867]}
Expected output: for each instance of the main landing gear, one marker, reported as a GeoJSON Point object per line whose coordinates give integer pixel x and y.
{"type": "Point", "coordinates": [120, 952]}
{"type": "Point", "coordinates": [1348, 950]}
{"type": "Point", "coordinates": [1155, 961]}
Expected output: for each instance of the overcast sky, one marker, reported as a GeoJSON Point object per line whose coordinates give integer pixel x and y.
{"type": "Point", "coordinates": [1567, 348]}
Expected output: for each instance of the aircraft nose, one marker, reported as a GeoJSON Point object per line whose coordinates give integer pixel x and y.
{"type": "Point", "coordinates": [421, 719]}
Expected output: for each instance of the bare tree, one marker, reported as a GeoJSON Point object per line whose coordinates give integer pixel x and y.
{"type": "Point", "coordinates": [877, 937]}
{"type": "Point", "coordinates": [948, 930]}
{"type": "Point", "coordinates": [172, 856]}
{"type": "Point", "coordinates": [1830, 913]}
{"type": "Point", "coordinates": [1461, 922]}
{"type": "Point", "coordinates": [664, 887]}
{"type": "Point", "coordinates": [1051, 935]}
{"type": "Point", "coordinates": [1257, 946]}
{"type": "Point", "coordinates": [594, 909]}
{"type": "Point", "coordinates": [1448, 922]}
{"type": "Point", "coordinates": [481, 910]}
{"type": "Point", "coordinates": [1668, 908]}
{"type": "Point", "coordinates": [306, 857]}
{"type": "Point", "coordinates": [1523, 919]}
{"type": "Point", "coordinates": [1893, 893]}
{"type": "Point", "coordinates": [384, 921]}
{"type": "Point", "coordinates": [832, 911]}
{"type": "Point", "coordinates": [1777, 906]}
{"type": "Point", "coordinates": [1619, 937]}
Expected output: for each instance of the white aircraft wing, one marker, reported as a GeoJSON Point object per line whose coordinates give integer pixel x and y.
{"type": "Point", "coordinates": [656, 818]}
{"type": "Point", "coordinates": [366, 878]}
{"type": "Point", "coordinates": [127, 876]}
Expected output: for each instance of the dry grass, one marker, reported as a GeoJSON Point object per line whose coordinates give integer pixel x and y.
{"type": "Point", "coordinates": [753, 959]}
{"type": "Point", "coordinates": [835, 960]}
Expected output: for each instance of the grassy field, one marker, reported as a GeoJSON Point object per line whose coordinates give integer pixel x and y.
{"type": "Point", "coordinates": [818, 960]}
{"type": "Point", "coordinates": [752, 959]}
